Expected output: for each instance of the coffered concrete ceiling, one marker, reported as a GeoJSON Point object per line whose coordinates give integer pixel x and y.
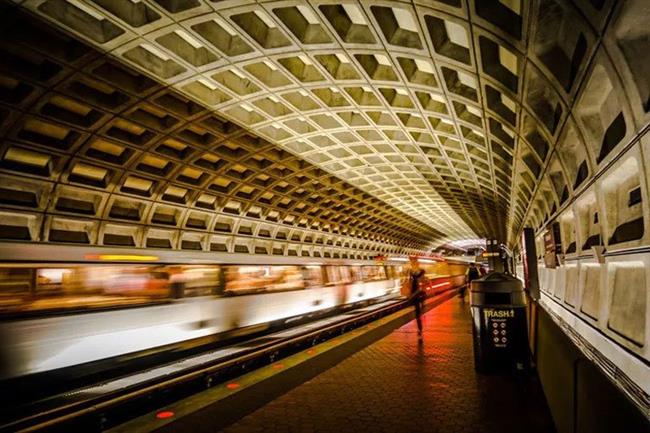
{"type": "Point", "coordinates": [452, 112]}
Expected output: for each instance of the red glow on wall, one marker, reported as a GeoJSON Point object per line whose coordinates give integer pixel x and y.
{"type": "Point", "coordinates": [165, 414]}
{"type": "Point", "coordinates": [232, 385]}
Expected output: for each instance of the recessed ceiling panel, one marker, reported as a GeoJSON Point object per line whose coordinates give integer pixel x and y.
{"type": "Point", "coordinates": [443, 110]}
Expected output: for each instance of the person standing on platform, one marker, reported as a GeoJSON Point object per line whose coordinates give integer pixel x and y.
{"type": "Point", "coordinates": [416, 276]}
{"type": "Point", "coordinates": [472, 274]}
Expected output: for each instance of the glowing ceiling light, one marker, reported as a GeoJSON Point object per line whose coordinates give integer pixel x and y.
{"type": "Point", "coordinates": [468, 242]}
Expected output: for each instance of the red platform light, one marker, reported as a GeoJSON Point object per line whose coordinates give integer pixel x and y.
{"type": "Point", "coordinates": [165, 414]}
{"type": "Point", "coordinates": [232, 385]}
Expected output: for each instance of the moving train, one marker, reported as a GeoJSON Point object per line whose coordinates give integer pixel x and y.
{"type": "Point", "coordinates": [66, 306]}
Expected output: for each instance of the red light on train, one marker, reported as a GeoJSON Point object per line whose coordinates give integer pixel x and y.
{"type": "Point", "coordinates": [232, 385]}
{"type": "Point", "coordinates": [165, 414]}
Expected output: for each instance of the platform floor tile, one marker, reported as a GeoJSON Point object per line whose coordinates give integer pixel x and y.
{"type": "Point", "coordinates": [400, 385]}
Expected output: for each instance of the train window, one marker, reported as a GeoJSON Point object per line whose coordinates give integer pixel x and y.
{"type": "Point", "coordinates": [346, 274]}
{"type": "Point", "coordinates": [333, 275]}
{"type": "Point", "coordinates": [432, 270]}
{"type": "Point", "coordinates": [191, 281]}
{"type": "Point", "coordinates": [372, 273]}
{"type": "Point", "coordinates": [54, 281]}
{"type": "Point", "coordinates": [240, 280]}
{"type": "Point", "coordinates": [357, 275]}
{"type": "Point", "coordinates": [313, 276]}
{"type": "Point", "coordinates": [404, 273]}
{"type": "Point", "coordinates": [15, 286]}
{"type": "Point", "coordinates": [30, 289]}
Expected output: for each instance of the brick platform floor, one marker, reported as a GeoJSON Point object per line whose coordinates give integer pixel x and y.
{"type": "Point", "coordinates": [399, 385]}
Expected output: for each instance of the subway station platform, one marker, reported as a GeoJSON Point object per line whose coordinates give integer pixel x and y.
{"type": "Point", "coordinates": [395, 384]}
{"type": "Point", "coordinates": [398, 384]}
{"type": "Point", "coordinates": [208, 209]}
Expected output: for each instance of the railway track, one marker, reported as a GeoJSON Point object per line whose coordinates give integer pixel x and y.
{"type": "Point", "coordinates": [97, 407]}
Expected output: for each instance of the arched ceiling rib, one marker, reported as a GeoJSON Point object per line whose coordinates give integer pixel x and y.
{"type": "Point", "coordinates": [449, 111]}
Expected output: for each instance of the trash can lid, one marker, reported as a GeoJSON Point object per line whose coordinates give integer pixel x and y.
{"type": "Point", "coordinates": [497, 282]}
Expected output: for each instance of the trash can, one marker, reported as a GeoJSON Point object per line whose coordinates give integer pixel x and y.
{"type": "Point", "coordinates": [499, 327]}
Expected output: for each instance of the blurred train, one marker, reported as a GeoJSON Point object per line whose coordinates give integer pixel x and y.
{"type": "Point", "coordinates": [66, 306]}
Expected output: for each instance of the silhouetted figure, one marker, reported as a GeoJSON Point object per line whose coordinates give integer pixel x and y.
{"type": "Point", "coordinates": [473, 273]}
{"type": "Point", "coordinates": [416, 275]}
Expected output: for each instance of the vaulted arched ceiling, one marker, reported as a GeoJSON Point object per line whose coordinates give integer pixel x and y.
{"type": "Point", "coordinates": [446, 119]}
